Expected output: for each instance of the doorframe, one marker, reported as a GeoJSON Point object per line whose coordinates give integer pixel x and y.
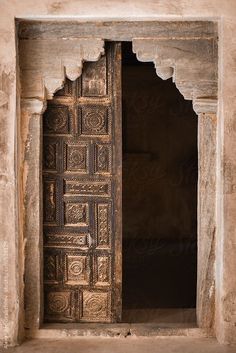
{"type": "Point", "coordinates": [193, 67]}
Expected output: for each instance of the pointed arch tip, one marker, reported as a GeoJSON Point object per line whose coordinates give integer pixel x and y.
{"type": "Point", "coordinates": [73, 72]}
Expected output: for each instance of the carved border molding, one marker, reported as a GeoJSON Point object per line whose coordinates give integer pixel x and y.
{"type": "Point", "coordinates": [191, 62]}
{"type": "Point", "coordinates": [44, 64]}
{"type": "Point", "coordinates": [33, 106]}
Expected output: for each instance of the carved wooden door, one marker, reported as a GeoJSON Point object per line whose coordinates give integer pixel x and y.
{"type": "Point", "coordinates": [82, 195]}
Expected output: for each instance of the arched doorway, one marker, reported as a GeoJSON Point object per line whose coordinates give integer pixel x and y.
{"type": "Point", "coordinates": [82, 193]}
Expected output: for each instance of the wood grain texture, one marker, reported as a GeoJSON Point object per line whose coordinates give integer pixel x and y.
{"type": "Point", "coordinates": [50, 61]}
{"type": "Point", "coordinates": [206, 220]}
{"type": "Point", "coordinates": [116, 30]}
{"type": "Point", "coordinates": [191, 62]}
{"type": "Point", "coordinates": [82, 183]}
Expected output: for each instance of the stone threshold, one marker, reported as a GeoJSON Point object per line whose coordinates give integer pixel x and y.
{"type": "Point", "coordinates": [60, 331]}
{"type": "Point", "coordinates": [138, 323]}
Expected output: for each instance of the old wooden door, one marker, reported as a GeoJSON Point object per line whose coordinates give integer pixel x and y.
{"type": "Point", "coordinates": [82, 195]}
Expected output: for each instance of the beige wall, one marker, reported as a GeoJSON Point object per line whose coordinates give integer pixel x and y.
{"type": "Point", "coordinates": [10, 228]}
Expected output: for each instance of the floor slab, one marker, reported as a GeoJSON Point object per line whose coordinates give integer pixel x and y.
{"type": "Point", "coordinates": [121, 345]}
{"type": "Point", "coordinates": [136, 322]}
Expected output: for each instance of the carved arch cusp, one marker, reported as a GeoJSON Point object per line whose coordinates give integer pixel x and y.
{"type": "Point", "coordinates": [164, 72]}
{"type": "Point", "coordinates": [192, 62]}
{"type": "Point", "coordinates": [44, 64]}
{"type": "Point", "coordinates": [147, 51]}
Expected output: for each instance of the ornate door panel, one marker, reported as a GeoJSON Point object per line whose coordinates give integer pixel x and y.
{"type": "Point", "coordinates": [82, 196]}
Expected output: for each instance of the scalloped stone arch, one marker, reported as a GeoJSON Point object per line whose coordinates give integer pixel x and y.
{"type": "Point", "coordinates": [44, 64]}
{"type": "Point", "coordinates": [192, 64]}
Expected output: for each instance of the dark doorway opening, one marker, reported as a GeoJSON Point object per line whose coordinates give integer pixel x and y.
{"type": "Point", "coordinates": [159, 193]}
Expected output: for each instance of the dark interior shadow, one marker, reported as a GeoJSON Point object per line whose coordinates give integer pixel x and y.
{"type": "Point", "coordinates": [160, 171]}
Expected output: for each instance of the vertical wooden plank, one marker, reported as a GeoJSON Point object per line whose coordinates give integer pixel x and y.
{"type": "Point", "coordinates": [118, 180]}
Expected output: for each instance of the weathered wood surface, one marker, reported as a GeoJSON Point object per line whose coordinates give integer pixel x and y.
{"type": "Point", "coordinates": [206, 220]}
{"type": "Point", "coordinates": [116, 30]}
{"type": "Point", "coordinates": [31, 124]}
{"type": "Point", "coordinates": [82, 196]}
{"type": "Point", "coordinates": [191, 62]}
{"type": "Point", "coordinates": [186, 51]}
{"type": "Point", "coordinates": [44, 63]}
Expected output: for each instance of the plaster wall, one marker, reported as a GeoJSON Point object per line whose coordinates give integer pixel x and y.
{"type": "Point", "coordinates": [11, 250]}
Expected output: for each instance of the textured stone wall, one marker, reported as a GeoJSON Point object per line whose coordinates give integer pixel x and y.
{"type": "Point", "coordinates": [11, 249]}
